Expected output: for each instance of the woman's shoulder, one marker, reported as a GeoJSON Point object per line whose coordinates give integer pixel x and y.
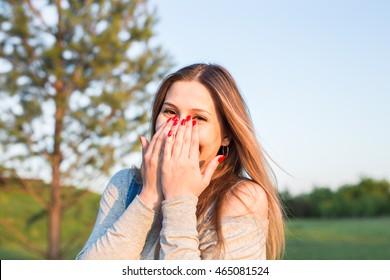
{"type": "Point", "coordinates": [246, 197]}
{"type": "Point", "coordinates": [123, 176]}
{"type": "Point", "coordinates": [121, 180]}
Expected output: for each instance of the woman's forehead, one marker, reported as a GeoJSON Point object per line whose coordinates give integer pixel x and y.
{"type": "Point", "coordinates": [189, 95]}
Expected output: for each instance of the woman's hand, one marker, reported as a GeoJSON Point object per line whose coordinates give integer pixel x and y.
{"type": "Point", "coordinates": [152, 194]}
{"type": "Point", "coordinates": [180, 171]}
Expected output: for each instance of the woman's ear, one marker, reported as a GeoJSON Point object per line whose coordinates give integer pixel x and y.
{"type": "Point", "coordinates": [226, 141]}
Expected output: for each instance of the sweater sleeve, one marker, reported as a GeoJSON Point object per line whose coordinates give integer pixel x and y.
{"type": "Point", "coordinates": [245, 236]}
{"type": "Point", "coordinates": [119, 232]}
{"type": "Point", "coordinates": [179, 236]}
{"type": "Point", "coordinates": [245, 239]}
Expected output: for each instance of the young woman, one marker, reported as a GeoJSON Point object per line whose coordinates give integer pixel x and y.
{"type": "Point", "coordinates": [204, 189]}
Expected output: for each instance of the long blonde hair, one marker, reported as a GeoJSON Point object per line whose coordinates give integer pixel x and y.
{"type": "Point", "coordinates": [246, 157]}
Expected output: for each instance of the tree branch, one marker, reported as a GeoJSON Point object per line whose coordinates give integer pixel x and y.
{"type": "Point", "coordinates": [70, 201]}
{"type": "Point", "coordinates": [37, 14]}
{"type": "Point", "coordinates": [30, 190]}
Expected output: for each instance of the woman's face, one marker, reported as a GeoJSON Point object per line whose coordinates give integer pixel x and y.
{"type": "Point", "coordinates": [191, 98]}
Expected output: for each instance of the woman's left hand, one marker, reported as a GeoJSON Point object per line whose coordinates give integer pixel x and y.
{"type": "Point", "coordinates": [180, 171]}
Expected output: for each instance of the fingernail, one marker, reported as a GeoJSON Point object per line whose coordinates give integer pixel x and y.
{"type": "Point", "coordinates": [169, 120]}
{"type": "Point", "coordinates": [176, 122]}
{"type": "Point", "coordinates": [170, 133]}
{"type": "Point", "coordinates": [188, 118]}
{"type": "Point", "coordinates": [183, 122]}
{"type": "Point", "coordinates": [193, 122]}
{"type": "Point", "coordinates": [221, 158]}
{"type": "Point", "coordinates": [175, 117]}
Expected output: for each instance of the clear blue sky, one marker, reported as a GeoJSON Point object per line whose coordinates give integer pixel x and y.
{"type": "Point", "coordinates": [315, 75]}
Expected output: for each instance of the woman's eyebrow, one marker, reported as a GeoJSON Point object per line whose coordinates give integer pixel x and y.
{"type": "Point", "coordinates": [201, 110]}
{"type": "Point", "coordinates": [169, 104]}
{"type": "Point", "coordinates": [193, 109]}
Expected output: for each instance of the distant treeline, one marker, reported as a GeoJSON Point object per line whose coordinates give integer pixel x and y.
{"type": "Point", "coordinates": [368, 198]}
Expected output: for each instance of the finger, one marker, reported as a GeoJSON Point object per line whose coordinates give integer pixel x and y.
{"type": "Point", "coordinates": [177, 145]}
{"type": "Point", "coordinates": [154, 138]}
{"type": "Point", "coordinates": [158, 138]}
{"type": "Point", "coordinates": [194, 151]}
{"type": "Point", "coordinates": [170, 139]}
{"type": "Point", "coordinates": [144, 144]}
{"type": "Point", "coordinates": [186, 146]}
{"type": "Point", "coordinates": [210, 169]}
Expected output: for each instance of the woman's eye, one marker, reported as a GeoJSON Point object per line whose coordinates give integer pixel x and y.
{"type": "Point", "coordinates": [199, 118]}
{"type": "Point", "coordinates": [169, 112]}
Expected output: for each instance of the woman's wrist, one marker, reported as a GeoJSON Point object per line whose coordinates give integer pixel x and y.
{"type": "Point", "coordinates": [151, 200]}
{"type": "Point", "coordinates": [172, 195]}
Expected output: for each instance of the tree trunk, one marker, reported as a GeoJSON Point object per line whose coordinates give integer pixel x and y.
{"type": "Point", "coordinates": [55, 219]}
{"type": "Point", "coordinates": [55, 209]}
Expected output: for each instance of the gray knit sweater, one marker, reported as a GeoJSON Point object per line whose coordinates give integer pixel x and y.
{"type": "Point", "coordinates": [137, 232]}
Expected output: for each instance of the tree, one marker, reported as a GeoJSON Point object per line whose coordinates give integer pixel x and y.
{"type": "Point", "coordinates": [75, 81]}
{"type": "Point", "coordinates": [321, 198]}
{"type": "Point", "coordinates": [368, 198]}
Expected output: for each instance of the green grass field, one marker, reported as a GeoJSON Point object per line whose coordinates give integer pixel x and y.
{"type": "Point", "coordinates": [25, 215]}
{"type": "Point", "coordinates": [338, 239]}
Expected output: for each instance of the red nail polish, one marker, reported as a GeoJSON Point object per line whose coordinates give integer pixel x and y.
{"type": "Point", "coordinates": [175, 117]}
{"type": "Point", "coordinates": [176, 122]}
{"type": "Point", "coordinates": [221, 158]}
{"type": "Point", "coordinates": [170, 133]}
{"type": "Point", "coordinates": [169, 120]}
{"type": "Point", "coordinates": [188, 118]}
{"type": "Point", "coordinates": [183, 122]}
{"type": "Point", "coordinates": [193, 122]}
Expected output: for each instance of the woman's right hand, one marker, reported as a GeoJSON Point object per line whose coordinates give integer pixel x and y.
{"type": "Point", "coordinates": [152, 194]}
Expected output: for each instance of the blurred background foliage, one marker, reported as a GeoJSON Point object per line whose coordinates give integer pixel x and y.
{"type": "Point", "coordinates": [76, 84]}
{"type": "Point", "coordinates": [24, 221]}
{"type": "Point", "coordinates": [367, 198]}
